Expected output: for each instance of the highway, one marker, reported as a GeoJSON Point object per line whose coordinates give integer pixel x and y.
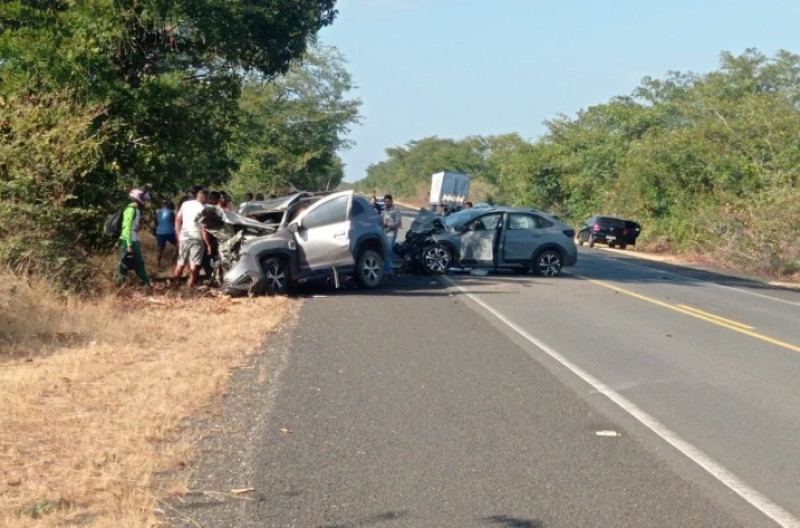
{"type": "Point", "coordinates": [622, 393]}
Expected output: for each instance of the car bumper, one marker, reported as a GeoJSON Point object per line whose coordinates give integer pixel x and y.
{"type": "Point", "coordinates": [244, 278]}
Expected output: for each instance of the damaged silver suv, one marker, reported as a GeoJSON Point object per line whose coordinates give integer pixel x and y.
{"type": "Point", "coordinates": [320, 237]}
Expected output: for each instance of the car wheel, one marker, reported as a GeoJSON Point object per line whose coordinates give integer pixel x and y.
{"type": "Point", "coordinates": [623, 246]}
{"type": "Point", "coordinates": [276, 276]}
{"type": "Point", "coordinates": [611, 245]}
{"type": "Point", "coordinates": [591, 241]}
{"type": "Point", "coordinates": [369, 269]}
{"type": "Point", "coordinates": [436, 258]}
{"type": "Point", "coordinates": [580, 240]}
{"type": "Point", "coordinates": [548, 263]}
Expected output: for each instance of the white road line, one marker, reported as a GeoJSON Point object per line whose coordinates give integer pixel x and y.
{"type": "Point", "coordinates": [740, 290]}
{"type": "Point", "coordinates": [755, 498]}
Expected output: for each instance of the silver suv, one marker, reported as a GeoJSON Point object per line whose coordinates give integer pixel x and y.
{"type": "Point", "coordinates": [330, 236]}
{"type": "Point", "coordinates": [498, 237]}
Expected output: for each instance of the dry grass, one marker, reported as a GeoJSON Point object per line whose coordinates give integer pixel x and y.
{"type": "Point", "coordinates": [94, 395]}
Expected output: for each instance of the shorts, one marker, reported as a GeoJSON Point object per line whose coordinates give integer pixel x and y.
{"type": "Point", "coordinates": [162, 240]}
{"type": "Point", "coordinates": [191, 252]}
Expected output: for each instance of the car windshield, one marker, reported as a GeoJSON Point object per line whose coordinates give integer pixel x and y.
{"type": "Point", "coordinates": [456, 220]}
{"type": "Point", "coordinates": [423, 221]}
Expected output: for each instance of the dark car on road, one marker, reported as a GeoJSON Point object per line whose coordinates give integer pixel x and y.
{"type": "Point", "coordinates": [609, 230]}
{"type": "Point", "coordinates": [493, 237]}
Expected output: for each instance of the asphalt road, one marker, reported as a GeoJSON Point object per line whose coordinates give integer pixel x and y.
{"type": "Point", "coordinates": [623, 393]}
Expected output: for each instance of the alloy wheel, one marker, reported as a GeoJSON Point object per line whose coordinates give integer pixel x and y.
{"type": "Point", "coordinates": [371, 269]}
{"type": "Point", "coordinates": [436, 259]}
{"type": "Point", "coordinates": [275, 279]}
{"type": "Point", "coordinates": [548, 264]}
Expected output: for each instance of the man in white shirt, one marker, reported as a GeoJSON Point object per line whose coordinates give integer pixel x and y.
{"type": "Point", "coordinates": [192, 239]}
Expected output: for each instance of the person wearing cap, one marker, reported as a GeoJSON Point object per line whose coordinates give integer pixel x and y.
{"type": "Point", "coordinates": [129, 250]}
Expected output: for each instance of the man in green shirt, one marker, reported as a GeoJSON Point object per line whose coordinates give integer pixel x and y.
{"type": "Point", "coordinates": [129, 250]}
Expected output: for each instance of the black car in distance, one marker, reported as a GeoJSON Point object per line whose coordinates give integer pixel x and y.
{"type": "Point", "coordinates": [609, 230]}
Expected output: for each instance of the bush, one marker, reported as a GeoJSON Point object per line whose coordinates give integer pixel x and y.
{"type": "Point", "coordinates": [49, 154]}
{"type": "Point", "coordinates": [759, 233]}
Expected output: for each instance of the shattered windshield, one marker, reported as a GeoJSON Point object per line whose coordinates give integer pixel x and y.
{"type": "Point", "coordinates": [423, 221]}
{"type": "Point", "coordinates": [456, 220]}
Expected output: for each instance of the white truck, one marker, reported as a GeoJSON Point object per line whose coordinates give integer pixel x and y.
{"type": "Point", "coordinates": [449, 190]}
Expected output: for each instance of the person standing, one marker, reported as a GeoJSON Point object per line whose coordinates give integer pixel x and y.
{"type": "Point", "coordinates": [165, 230]}
{"type": "Point", "coordinates": [374, 203]}
{"type": "Point", "coordinates": [225, 201]}
{"type": "Point", "coordinates": [248, 197]}
{"type": "Point", "coordinates": [193, 239]}
{"type": "Point", "coordinates": [212, 244]}
{"type": "Point", "coordinates": [130, 253]}
{"type": "Point", "coordinates": [392, 221]}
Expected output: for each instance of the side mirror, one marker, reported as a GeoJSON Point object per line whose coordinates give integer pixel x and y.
{"type": "Point", "coordinates": [293, 227]}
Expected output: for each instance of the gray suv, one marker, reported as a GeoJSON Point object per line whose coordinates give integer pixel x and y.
{"type": "Point", "coordinates": [500, 237]}
{"type": "Point", "coordinates": [329, 237]}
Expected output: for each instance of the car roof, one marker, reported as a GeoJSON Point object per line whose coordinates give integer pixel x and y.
{"type": "Point", "coordinates": [509, 209]}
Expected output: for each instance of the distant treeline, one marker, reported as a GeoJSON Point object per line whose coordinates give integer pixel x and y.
{"type": "Point", "coordinates": [707, 163]}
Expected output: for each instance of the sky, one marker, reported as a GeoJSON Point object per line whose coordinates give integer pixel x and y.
{"type": "Point", "coordinates": [457, 68]}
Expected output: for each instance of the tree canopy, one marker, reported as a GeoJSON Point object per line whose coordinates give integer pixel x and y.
{"type": "Point", "coordinates": [707, 163]}
{"type": "Point", "coordinates": [293, 127]}
{"type": "Point", "coordinates": [98, 97]}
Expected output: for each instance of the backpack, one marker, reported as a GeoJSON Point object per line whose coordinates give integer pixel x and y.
{"type": "Point", "coordinates": [112, 227]}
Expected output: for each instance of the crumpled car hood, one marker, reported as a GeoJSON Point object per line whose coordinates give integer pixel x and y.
{"type": "Point", "coordinates": [233, 231]}
{"type": "Point", "coordinates": [225, 224]}
{"type": "Point", "coordinates": [426, 221]}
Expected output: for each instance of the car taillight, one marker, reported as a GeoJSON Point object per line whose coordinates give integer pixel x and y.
{"type": "Point", "coordinates": [570, 233]}
{"type": "Point", "coordinates": [596, 227]}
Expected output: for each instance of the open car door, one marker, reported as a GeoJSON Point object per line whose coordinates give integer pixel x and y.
{"type": "Point", "coordinates": [479, 239]}
{"type": "Point", "coordinates": [323, 234]}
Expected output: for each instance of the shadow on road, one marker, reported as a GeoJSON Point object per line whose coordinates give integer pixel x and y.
{"type": "Point", "coordinates": [513, 522]}
{"type": "Point", "coordinates": [605, 265]}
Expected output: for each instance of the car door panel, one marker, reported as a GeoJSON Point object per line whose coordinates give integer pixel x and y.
{"type": "Point", "coordinates": [323, 234]}
{"type": "Point", "coordinates": [479, 240]}
{"type": "Point", "coordinates": [520, 236]}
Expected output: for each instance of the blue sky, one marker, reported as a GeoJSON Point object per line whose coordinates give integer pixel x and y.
{"type": "Point", "coordinates": [455, 68]}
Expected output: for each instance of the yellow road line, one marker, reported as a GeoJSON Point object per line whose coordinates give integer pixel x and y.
{"type": "Point", "coordinates": [717, 317]}
{"type": "Point", "coordinates": [720, 321]}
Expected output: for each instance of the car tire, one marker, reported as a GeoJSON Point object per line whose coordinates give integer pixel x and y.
{"type": "Point", "coordinates": [369, 269]}
{"type": "Point", "coordinates": [611, 245]}
{"type": "Point", "coordinates": [548, 263]}
{"type": "Point", "coordinates": [580, 240]}
{"type": "Point", "coordinates": [276, 276]}
{"type": "Point", "coordinates": [436, 259]}
{"type": "Point", "coordinates": [591, 241]}
{"type": "Point", "coordinates": [623, 246]}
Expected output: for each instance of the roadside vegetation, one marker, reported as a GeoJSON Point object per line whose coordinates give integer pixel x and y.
{"type": "Point", "coordinates": [94, 394]}
{"type": "Point", "coordinates": [97, 98]}
{"type": "Point", "coordinates": [709, 164]}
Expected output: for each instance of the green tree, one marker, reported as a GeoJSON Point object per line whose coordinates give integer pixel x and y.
{"type": "Point", "coordinates": [161, 81]}
{"type": "Point", "coordinates": [407, 171]}
{"type": "Point", "coordinates": [294, 125]}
